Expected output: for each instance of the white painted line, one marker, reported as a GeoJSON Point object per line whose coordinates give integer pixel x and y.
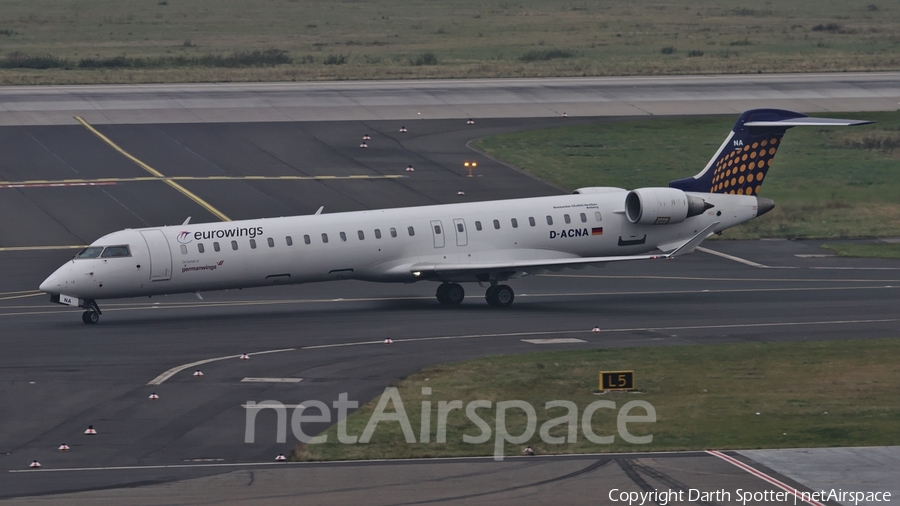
{"type": "Point", "coordinates": [271, 380]}
{"type": "Point", "coordinates": [268, 406]}
{"type": "Point", "coordinates": [159, 380]}
{"type": "Point", "coordinates": [765, 477]}
{"type": "Point", "coordinates": [607, 331]}
{"type": "Point", "coordinates": [560, 340]}
{"type": "Point", "coordinates": [857, 268]}
{"type": "Point", "coordinates": [815, 255]}
{"type": "Point", "coordinates": [732, 258]}
{"type": "Point", "coordinates": [353, 462]}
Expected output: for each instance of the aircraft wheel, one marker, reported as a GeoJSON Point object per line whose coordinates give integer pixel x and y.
{"type": "Point", "coordinates": [504, 296]}
{"type": "Point", "coordinates": [499, 296]}
{"type": "Point", "coordinates": [441, 293]}
{"type": "Point", "coordinates": [454, 294]}
{"type": "Point", "coordinates": [90, 317]}
{"type": "Point", "coordinates": [450, 294]}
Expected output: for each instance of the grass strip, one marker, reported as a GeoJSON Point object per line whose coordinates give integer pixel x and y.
{"type": "Point", "coordinates": [392, 39]}
{"type": "Point", "coordinates": [865, 250]}
{"type": "Point", "coordinates": [728, 396]}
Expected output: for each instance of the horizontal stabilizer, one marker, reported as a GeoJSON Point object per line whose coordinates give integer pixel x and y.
{"type": "Point", "coordinates": [808, 122]}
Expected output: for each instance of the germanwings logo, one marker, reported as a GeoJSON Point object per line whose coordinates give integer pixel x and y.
{"type": "Point", "coordinates": [210, 267]}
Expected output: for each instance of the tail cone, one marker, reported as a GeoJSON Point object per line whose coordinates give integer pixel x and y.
{"type": "Point", "coordinates": [764, 205]}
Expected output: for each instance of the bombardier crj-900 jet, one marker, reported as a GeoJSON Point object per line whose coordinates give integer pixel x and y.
{"type": "Point", "coordinates": [484, 242]}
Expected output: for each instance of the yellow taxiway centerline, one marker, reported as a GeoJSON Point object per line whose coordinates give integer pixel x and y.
{"type": "Point", "coordinates": [184, 191]}
{"type": "Point", "coordinates": [189, 178]}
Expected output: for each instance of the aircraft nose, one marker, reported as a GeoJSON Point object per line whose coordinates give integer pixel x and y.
{"type": "Point", "coordinates": [50, 284]}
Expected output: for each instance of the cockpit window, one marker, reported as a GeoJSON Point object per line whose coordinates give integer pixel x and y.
{"type": "Point", "coordinates": [90, 252]}
{"type": "Point", "coordinates": [115, 252]}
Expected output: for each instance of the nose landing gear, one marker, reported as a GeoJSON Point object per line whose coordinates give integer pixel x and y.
{"type": "Point", "coordinates": [92, 315]}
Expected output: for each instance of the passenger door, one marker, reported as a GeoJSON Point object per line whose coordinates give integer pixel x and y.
{"type": "Point", "coordinates": [438, 230]}
{"type": "Point", "coordinates": [462, 238]}
{"type": "Point", "coordinates": [160, 255]}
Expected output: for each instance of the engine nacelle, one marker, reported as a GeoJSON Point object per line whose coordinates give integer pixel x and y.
{"type": "Point", "coordinates": [661, 206]}
{"type": "Point", "coordinates": [598, 189]}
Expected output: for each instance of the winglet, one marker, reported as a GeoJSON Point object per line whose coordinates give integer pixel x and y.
{"type": "Point", "coordinates": [188, 220]}
{"type": "Point", "coordinates": [691, 245]}
{"type": "Point", "coordinates": [321, 208]}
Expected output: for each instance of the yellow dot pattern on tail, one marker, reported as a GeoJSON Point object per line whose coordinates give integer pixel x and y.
{"type": "Point", "coordinates": [742, 171]}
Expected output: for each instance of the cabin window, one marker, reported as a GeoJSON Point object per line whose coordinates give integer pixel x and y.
{"type": "Point", "coordinates": [234, 245]}
{"type": "Point", "coordinates": [597, 216]}
{"type": "Point", "coordinates": [437, 229]}
{"type": "Point", "coordinates": [200, 247]}
{"type": "Point", "coordinates": [411, 231]}
{"type": "Point", "coordinates": [343, 237]}
{"type": "Point", "coordinates": [115, 251]}
{"type": "Point", "coordinates": [583, 218]}
{"type": "Point", "coordinates": [531, 221]}
{"type": "Point", "coordinates": [92, 252]}
{"type": "Point", "coordinates": [361, 235]}
{"type": "Point", "coordinates": [325, 238]}
{"type": "Point", "coordinates": [393, 232]}
{"type": "Point", "coordinates": [477, 225]}
{"type": "Point", "coordinates": [271, 242]}
{"type": "Point", "coordinates": [460, 228]}
{"type": "Point", "coordinates": [306, 239]}
{"type": "Point", "coordinates": [377, 233]}
{"type": "Point", "coordinates": [515, 223]}
{"type": "Point", "coordinates": [183, 249]}
{"type": "Point", "coordinates": [216, 246]}
{"type": "Point", "coordinates": [549, 220]}
{"type": "Point", "coordinates": [567, 218]}
{"type": "Point", "coordinates": [289, 241]}
{"type": "Point", "coordinates": [252, 243]}
{"type": "Point", "coordinates": [497, 224]}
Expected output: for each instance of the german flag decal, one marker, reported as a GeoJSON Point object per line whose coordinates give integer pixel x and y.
{"type": "Point", "coordinates": [597, 231]}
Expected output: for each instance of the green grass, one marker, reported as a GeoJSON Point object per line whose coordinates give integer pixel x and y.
{"type": "Point", "coordinates": [467, 38]}
{"type": "Point", "coordinates": [826, 182]}
{"type": "Point", "coordinates": [865, 250]}
{"type": "Point", "coordinates": [807, 394]}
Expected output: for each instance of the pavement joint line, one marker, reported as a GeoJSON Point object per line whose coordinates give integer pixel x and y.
{"type": "Point", "coordinates": [184, 191]}
{"type": "Point", "coordinates": [732, 257]}
{"type": "Point", "coordinates": [159, 380]}
{"type": "Point", "coordinates": [765, 477]}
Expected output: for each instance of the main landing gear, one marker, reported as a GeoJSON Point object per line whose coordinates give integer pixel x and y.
{"type": "Point", "coordinates": [92, 315]}
{"type": "Point", "coordinates": [499, 296]}
{"type": "Point", "coordinates": [452, 294]}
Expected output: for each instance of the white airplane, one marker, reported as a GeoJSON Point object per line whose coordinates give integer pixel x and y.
{"type": "Point", "coordinates": [484, 242]}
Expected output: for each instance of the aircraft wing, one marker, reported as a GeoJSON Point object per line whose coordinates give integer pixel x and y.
{"type": "Point", "coordinates": [427, 270]}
